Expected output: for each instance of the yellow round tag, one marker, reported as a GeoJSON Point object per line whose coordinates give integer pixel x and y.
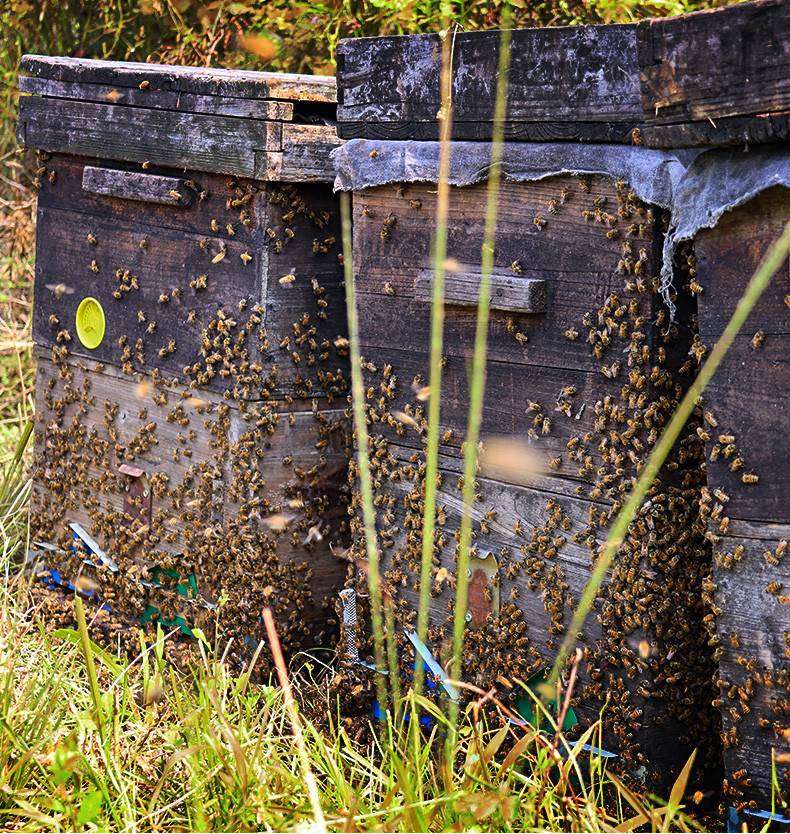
{"type": "Point", "coordinates": [90, 322]}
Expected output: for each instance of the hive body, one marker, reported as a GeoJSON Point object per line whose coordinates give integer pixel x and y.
{"type": "Point", "coordinates": [747, 500]}
{"type": "Point", "coordinates": [202, 443]}
{"type": "Point", "coordinates": [585, 382]}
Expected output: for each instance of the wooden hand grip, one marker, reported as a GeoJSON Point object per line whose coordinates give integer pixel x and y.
{"type": "Point", "coordinates": [134, 185]}
{"type": "Point", "coordinates": [508, 292]}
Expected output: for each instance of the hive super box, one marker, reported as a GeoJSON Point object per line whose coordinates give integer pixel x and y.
{"type": "Point", "coordinates": [189, 324]}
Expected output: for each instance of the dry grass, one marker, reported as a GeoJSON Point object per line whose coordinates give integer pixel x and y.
{"type": "Point", "coordinates": [17, 245]}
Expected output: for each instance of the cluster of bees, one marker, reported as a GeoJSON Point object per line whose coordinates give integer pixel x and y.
{"type": "Point", "coordinates": [245, 476]}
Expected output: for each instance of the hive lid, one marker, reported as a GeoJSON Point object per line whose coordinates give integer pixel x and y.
{"type": "Point", "coordinates": [264, 125]}
{"type": "Point", "coordinates": [565, 82]}
{"type": "Point", "coordinates": [198, 80]}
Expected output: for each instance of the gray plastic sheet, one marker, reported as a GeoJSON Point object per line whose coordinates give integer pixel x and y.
{"type": "Point", "coordinates": [696, 186]}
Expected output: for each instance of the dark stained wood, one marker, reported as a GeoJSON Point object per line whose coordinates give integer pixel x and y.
{"type": "Point", "coordinates": [198, 80]}
{"type": "Point", "coordinates": [752, 628]}
{"type": "Point", "coordinates": [135, 185]}
{"type": "Point", "coordinates": [579, 76]}
{"type": "Point", "coordinates": [747, 392]}
{"type": "Point", "coordinates": [573, 255]}
{"type": "Point", "coordinates": [162, 137]}
{"type": "Point", "coordinates": [304, 289]}
{"type": "Point", "coordinates": [157, 99]}
{"type": "Point", "coordinates": [731, 130]}
{"type": "Point", "coordinates": [304, 156]}
{"type": "Point", "coordinates": [545, 404]}
{"type": "Point", "coordinates": [180, 246]}
{"type": "Point", "coordinates": [66, 193]}
{"type": "Point", "coordinates": [713, 65]}
{"type": "Point", "coordinates": [619, 132]}
{"type": "Point", "coordinates": [164, 268]}
{"type": "Point", "coordinates": [508, 292]}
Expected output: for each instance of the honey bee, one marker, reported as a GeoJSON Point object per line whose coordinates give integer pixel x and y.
{"type": "Point", "coordinates": [92, 239]}
{"type": "Point", "coordinates": [230, 229]}
{"type": "Point", "coordinates": [572, 334]}
{"type": "Point", "coordinates": [389, 289]}
{"type": "Point", "coordinates": [539, 222]}
{"type": "Point", "coordinates": [773, 587]}
{"type": "Point", "coordinates": [516, 267]}
{"type": "Point", "coordinates": [94, 266]}
{"type": "Point", "coordinates": [60, 289]}
{"type": "Point", "coordinates": [246, 257]}
{"type": "Point", "coordinates": [287, 279]}
{"type": "Point", "coordinates": [415, 204]}
{"type": "Point", "coordinates": [758, 339]}
{"type": "Point", "coordinates": [750, 478]}
{"type": "Point", "coordinates": [373, 154]}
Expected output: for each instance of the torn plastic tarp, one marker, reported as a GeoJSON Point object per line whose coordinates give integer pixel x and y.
{"type": "Point", "coordinates": [697, 186]}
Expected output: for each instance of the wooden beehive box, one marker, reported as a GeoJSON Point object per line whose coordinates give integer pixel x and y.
{"type": "Point", "coordinates": [565, 83]}
{"type": "Point", "coordinates": [583, 371]}
{"type": "Point", "coordinates": [749, 520]}
{"type": "Point", "coordinates": [188, 298]}
{"type": "Point", "coordinates": [716, 77]}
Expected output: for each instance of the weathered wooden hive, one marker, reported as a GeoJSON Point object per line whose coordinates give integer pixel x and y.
{"type": "Point", "coordinates": [585, 367]}
{"type": "Point", "coordinates": [190, 444]}
{"type": "Point", "coordinates": [746, 501]}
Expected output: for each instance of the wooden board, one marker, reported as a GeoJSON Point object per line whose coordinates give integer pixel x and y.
{"type": "Point", "coordinates": [183, 291]}
{"type": "Point", "coordinates": [243, 147]}
{"type": "Point", "coordinates": [564, 83]}
{"type": "Point", "coordinates": [217, 473]}
{"type": "Point", "coordinates": [201, 81]}
{"type": "Point", "coordinates": [752, 633]}
{"type": "Point", "coordinates": [700, 69]}
{"type": "Point", "coordinates": [746, 395]}
{"type": "Point", "coordinates": [580, 423]}
{"type": "Point", "coordinates": [750, 618]}
{"type": "Point", "coordinates": [277, 111]}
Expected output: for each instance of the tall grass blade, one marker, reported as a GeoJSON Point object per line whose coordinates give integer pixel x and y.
{"type": "Point", "coordinates": [759, 281]}
{"type": "Point", "coordinates": [478, 376]}
{"type": "Point", "coordinates": [90, 666]}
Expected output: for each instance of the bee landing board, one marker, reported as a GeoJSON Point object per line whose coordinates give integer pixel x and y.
{"type": "Point", "coordinates": [716, 77]}
{"type": "Point", "coordinates": [579, 384]}
{"type": "Point", "coordinates": [565, 83]}
{"type": "Point", "coordinates": [748, 470]}
{"type": "Point", "coordinates": [177, 263]}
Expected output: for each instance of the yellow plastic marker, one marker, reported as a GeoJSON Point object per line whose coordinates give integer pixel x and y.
{"type": "Point", "coordinates": [90, 322]}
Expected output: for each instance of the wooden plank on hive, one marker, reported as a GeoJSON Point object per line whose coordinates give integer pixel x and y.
{"type": "Point", "coordinates": [564, 82]}
{"type": "Point", "coordinates": [157, 99]}
{"type": "Point", "coordinates": [740, 396]}
{"type": "Point", "coordinates": [304, 156]}
{"type": "Point", "coordinates": [162, 137]}
{"type": "Point", "coordinates": [508, 292]}
{"type": "Point", "coordinates": [700, 69]}
{"type": "Point", "coordinates": [198, 80]}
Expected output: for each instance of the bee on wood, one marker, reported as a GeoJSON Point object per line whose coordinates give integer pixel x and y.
{"type": "Point", "coordinates": [373, 154]}
{"type": "Point", "coordinates": [539, 222]}
{"type": "Point", "coordinates": [758, 340]}
{"type": "Point", "coordinates": [94, 266]}
{"type": "Point", "coordinates": [750, 478]}
{"type": "Point", "coordinates": [91, 239]}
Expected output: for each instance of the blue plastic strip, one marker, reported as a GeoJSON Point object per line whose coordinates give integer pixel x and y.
{"type": "Point", "coordinates": [423, 651]}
